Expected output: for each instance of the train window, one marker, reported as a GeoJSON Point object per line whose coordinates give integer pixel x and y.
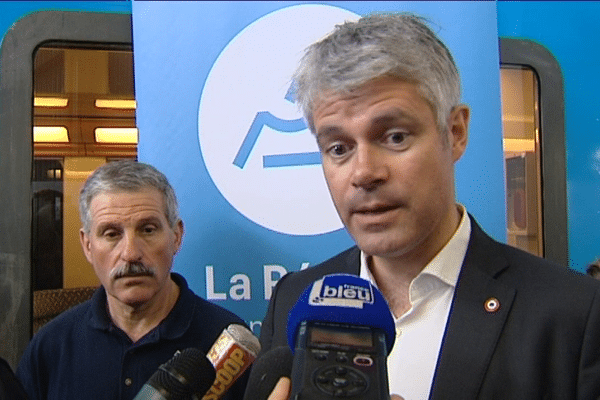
{"type": "Point", "coordinates": [47, 224]}
{"type": "Point", "coordinates": [534, 149]}
{"type": "Point", "coordinates": [520, 123]}
{"type": "Point", "coordinates": [63, 76]}
{"type": "Point", "coordinates": [83, 114]}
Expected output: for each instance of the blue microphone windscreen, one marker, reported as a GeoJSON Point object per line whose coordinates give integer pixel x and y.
{"type": "Point", "coordinates": [342, 299]}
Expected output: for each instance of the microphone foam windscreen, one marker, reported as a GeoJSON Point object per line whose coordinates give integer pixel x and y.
{"type": "Point", "coordinates": [342, 299]}
{"type": "Point", "coordinates": [187, 372]}
{"type": "Point", "coordinates": [267, 370]}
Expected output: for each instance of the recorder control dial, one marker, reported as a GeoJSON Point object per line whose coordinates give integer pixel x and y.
{"type": "Point", "coordinates": [340, 381]}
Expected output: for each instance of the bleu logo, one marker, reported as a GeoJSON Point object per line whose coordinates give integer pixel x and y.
{"type": "Point", "coordinates": [350, 292]}
{"type": "Point", "coordinates": [253, 140]}
{"type": "Point", "coordinates": [331, 292]}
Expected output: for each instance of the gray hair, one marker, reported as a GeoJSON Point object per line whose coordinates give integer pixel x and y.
{"type": "Point", "coordinates": [593, 269]}
{"type": "Point", "coordinates": [126, 176]}
{"type": "Point", "coordinates": [397, 45]}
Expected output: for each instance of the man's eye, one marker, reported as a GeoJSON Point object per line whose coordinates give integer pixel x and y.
{"type": "Point", "coordinates": [337, 150]}
{"type": "Point", "coordinates": [110, 233]}
{"type": "Point", "coordinates": [149, 229]}
{"type": "Point", "coordinates": [396, 137]}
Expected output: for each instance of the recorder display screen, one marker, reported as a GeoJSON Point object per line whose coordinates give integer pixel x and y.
{"type": "Point", "coordinates": [335, 335]}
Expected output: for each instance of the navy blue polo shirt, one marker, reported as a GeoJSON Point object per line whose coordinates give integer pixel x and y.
{"type": "Point", "coordinates": [81, 354]}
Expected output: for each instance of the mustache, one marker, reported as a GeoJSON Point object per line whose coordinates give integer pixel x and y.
{"type": "Point", "coordinates": [131, 269]}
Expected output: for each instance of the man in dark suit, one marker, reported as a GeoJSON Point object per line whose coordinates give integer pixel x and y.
{"type": "Point", "coordinates": [474, 318]}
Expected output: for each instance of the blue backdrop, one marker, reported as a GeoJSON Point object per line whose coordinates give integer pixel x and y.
{"type": "Point", "coordinates": [215, 115]}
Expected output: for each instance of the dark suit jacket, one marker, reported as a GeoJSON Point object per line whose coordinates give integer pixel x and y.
{"type": "Point", "coordinates": [542, 343]}
{"type": "Point", "coordinates": [10, 387]}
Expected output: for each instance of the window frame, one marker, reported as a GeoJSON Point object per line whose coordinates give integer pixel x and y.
{"type": "Point", "coordinates": [524, 52]}
{"type": "Point", "coordinates": [90, 29]}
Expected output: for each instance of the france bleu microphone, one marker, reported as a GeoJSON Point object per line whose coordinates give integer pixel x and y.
{"type": "Point", "coordinates": [186, 373]}
{"type": "Point", "coordinates": [340, 331]}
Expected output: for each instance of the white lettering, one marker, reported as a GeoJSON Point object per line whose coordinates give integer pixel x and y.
{"type": "Point", "coordinates": [270, 283]}
{"type": "Point", "coordinates": [240, 291]}
{"type": "Point", "coordinates": [342, 292]}
{"type": "Point", "coordinates": [329, 291]}
{"type": "Point", "coordinates": [241, 285]}
{"type": "Point", "coordinates": [210, 285]}
{"type": "Point", "coordinates": [364, 295]}
{"type": "Point", "coordinates": [252, 324]}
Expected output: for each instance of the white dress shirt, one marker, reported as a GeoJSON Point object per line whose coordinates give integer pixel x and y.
{"type": "Point", "coordinates": [419, 332]}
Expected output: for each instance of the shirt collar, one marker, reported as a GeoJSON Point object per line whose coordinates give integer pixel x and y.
{"type": "Point", "coordinates": [180, 317]}
{"type": "Point", "coordinates": [173, 326]}
{"type": "Point", "coordinates": [447, 263]}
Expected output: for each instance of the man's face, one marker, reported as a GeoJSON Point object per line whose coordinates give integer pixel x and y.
{"type": "Point", "coordinates": [390, 172]}
{"type": "Point", "coordinates": [131, 245]}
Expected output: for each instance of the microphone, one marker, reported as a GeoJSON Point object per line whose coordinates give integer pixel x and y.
{"type": "Point", "coordinates": [341, 331]}
{"type": "Point", "coordinates": [187, 372]}
{"type": "Point", "coordinates": [266, 371]}
{"type": "Point", "coordinates": [231, 354]}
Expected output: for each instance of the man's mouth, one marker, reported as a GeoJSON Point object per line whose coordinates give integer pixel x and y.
{"type": "Point", "coordinates": [134, 275]}
{"type": "Point", "coordinates": [375, 209]}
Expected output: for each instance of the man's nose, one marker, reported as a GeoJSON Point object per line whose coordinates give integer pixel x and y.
{"type": "Point", "coordinates": [131, 247]}
{"type": "Point", "coordinates": [369, 168]}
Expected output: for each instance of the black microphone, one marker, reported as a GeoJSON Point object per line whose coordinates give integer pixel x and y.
{"type": "Point", "coordinates": [340, 330]}
{"type": "Point", "coordinates": [187, 372]}
{"type": "Point", "coordinates": [266, 372]}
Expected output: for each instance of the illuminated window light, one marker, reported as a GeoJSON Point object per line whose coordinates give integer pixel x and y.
{"type": "Point", "coordinates": [116, 135]}
{"type": "Point", "coordinates": [121, 104]}
{"type": "Point", "coordinates": [50, 134]}
{"type": "Point", "coordinates": [519, 145]}
{"type": "Point", "coordinates": [50, 102]}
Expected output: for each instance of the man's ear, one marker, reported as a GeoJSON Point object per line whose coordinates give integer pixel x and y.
{"type": "Point", "coordinates": [458, 135]}
{"type": "Point", "coordinates": [178, 229]}
{"type": "Point", "coordinates": [84, 239]}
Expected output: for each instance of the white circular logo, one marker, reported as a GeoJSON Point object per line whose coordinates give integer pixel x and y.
{"type": "Point", "coordinates": [256, 147]}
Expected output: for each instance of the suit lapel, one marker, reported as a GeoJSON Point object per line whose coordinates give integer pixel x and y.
{"type": "Point", "coordinates": [352, 261]}
{"type": "Point", "coordinates": [472, 331]}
